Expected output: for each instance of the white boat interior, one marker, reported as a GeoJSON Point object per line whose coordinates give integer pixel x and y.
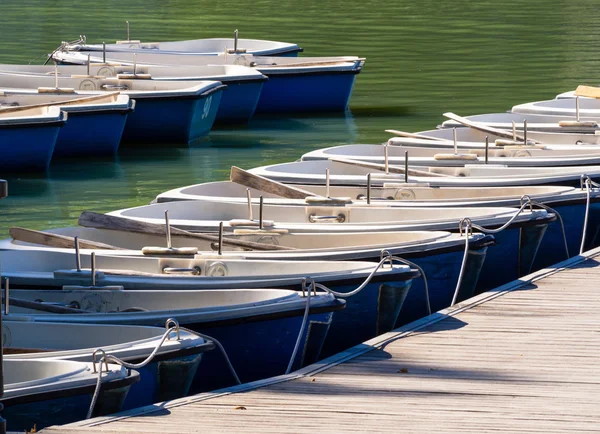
{"type": "Point", "coordinates": [24, 339]}
{"type": "Point", "coordinates": [118, 306]}
{"type": "Point", "coordinates": [445, 156]}
{"type": "Point", "coordinates": [22, 98]}
{"type": "Point", "coordinates": [588, 107]}
{"type": "Point", "coordinates": [505, 120]}
{"type": "Point", "coordinates": [209, 46]}
{"type": "Point", "coordinates": [265, 64]}
{"type": "Point", "coordinates": [223, 73]}
{"type": "Point", "coordinates": [36, 115]}
{"type": "Point", "coordinates": [394, 195]}
{"type": "Point", "coordinates": [81, 85]}
{"type": "Point", "coordinates": [470, 175]}
{"type": "Point", "coordinates": [27, 377]}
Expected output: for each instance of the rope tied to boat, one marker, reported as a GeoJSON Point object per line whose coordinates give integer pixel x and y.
{"type": "Point", "coordinates": [166, 336]}
{"type": "Point", "coordinates": [586, 181]}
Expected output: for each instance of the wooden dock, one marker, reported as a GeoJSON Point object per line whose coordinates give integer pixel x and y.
{"type": "Point", "coordinates": [522, 358]}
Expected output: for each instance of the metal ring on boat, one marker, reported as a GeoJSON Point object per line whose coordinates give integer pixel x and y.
{"type": "Point", "coordinates": [526, 199]}
{"type": "Point", "coordinates": [195, 271]}
{"type": "Point", "coordinates": [216, 269]}
{"type": "Point", "coordinates": [308, 283]}
{"type": "Point", "coordinates": [175, 324]}
{"type": "Point", "coordinates": [340, 218]}
{"type": "Point", "coordinates": [386, 254]}
{"type": "Point", "coordinates": [405, 194]}
{"type": "Point", "coordinates": [106, 71]}
{"type": "Point", "coordinates": [87, 85]}
{"type": "Point", "coordinates": [99, 350]}
{"type": "Point", "coordinates": [467, 224]}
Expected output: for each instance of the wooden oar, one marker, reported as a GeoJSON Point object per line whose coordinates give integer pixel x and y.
{"type": "Point", "coordinates": [587, 91]}
{"type": "Point", "coordinates": [247, 179]}
{"type": "Point", "coordinates": [485, 128]}
{"type": "Point", "coordinates": [84, 99]}
{"type": "Point", "coordinates": [413, 135]}
{"type": "Point", "coordinates": [55, 240]}
{"type": "Point", "coordinates": [35, 305]}
{"type": "Point", "coordinates": [104, 221]}
{"type": "Point", "coordinates": [381, 167]}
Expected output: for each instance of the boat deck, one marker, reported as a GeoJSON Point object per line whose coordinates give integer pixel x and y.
{"type": "Point", "coordinates": [522, 358]}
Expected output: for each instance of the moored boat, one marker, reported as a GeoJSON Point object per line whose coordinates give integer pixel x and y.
{"type": "Point", "coordinates": [96, 122]}
{"type": "Point", "coordinates": [169, 375]}
{"type": "Point", "coordinates": [169, 111]}
{"type": "Point", "coordinates": [28, 138]}
{"type": "Point", "coordinates": [304, 84]}
{"type": "Point", "coordinates": [40, 393]}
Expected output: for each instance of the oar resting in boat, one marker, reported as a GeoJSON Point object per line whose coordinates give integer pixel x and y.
{"type": "Point", "coordinates": [486, 128]}
{"type": "Point", "coordinates": [104, 221]}
{"type": "Point", "coordinates": [56, 240]}
{"type": "Point", "coordinates": [247, 179]}
{"type": "Point", "coordinates": [412, 135]}
{"type": "Point", "coordinates": [390, 168]}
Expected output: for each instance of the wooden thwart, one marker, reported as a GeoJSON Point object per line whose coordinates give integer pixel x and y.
{"type": "Point", "coordinates": [104, 221]}
{"type": "Point", "coordinates": [587, 91]}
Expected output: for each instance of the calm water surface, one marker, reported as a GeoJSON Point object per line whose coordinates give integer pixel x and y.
{"type": "Point", "coordinates": [423, 58]}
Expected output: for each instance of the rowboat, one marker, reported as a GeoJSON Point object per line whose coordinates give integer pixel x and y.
{"type": "Point", "coordinates": [258, 328]}
{"type": "Point", "coordinates": [304, 84]}
{"type": "Point", "coordinates": [169, 111]}
{"type": "Point", "coordinates": [168, 376]}
{"type": "Point", "coordinates": [547, 134]}
{"type": "Point", "coordinates": [439, 254]}
{"type": "Point", "coordinates": [206, 47]}
{"type": "Point", "coordinates": [95, 126]}
{"type": "Point", "coordinates": [589, 108]}
{"type": "Point", "coordinates": [353, 172]}
{"type": "Point", "coordinates": [445, 155]}
{"type": "Point", "coordinates": [570, 203]}
{"type": "Point", "coordinates": [505, 120]}
{"type": "Point", "coordinates": [28, 138]}
{"type": "Point", "coordinates": [244, 84]}
{"type": "Point", "coordinates": [40, 393]}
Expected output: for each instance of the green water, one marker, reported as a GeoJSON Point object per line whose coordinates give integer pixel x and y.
{"type": "Point", "coordinates": [423, 58]}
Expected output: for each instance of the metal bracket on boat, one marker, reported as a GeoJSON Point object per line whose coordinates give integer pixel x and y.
{"type": "Point", "coordinates": [340, 218]}
{"type": "Point", "coordinates": [467, 225]}
{"type": "Point", "coordinates": [175, 325]}
{"type": "Point", "coordinates": [194, 271]}
{"type": "Point", "coordinates": [526, 199]}
{"type": "Point", "coordinates": [388, 255]}
{"type": "Point", "coordinates": [308, 283]}
{"type": "Point", "coordinates": [103, 358]}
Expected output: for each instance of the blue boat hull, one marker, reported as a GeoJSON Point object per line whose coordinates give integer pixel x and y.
{"type": "Point", "coordinates": [28, 148]}
{"type": "Point", "coordinates": [316, 92]}
{"type": "Point", "coordinates": [552, 249]}
{"type": "Point", "coordinates": [513, 256]}
{"type": "Point", "coordinates": [239, 102]}
{"type": "Point", "coordinates": [172, 120]}
{"type": "Point", "coordinates": [260, 349]}
{"type": "Point", "coordinates": [91, 133]}
{"type": "Point", "coordinates": [442, 272]}
{"type": "Point", "coordinates": [62, 407]}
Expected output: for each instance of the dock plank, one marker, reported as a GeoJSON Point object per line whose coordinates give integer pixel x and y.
{"type": "Point", "coordinates": [522, 358]}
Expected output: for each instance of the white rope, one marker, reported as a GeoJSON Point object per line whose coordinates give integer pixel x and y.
{"type": "Point", "coordinates": [560, 220]}
{"type": "Point", "coordinates": [425, 285]}
{"type": "Point", "coordinates": [464, 261]}
{"type": "Point", "coordinates": [504, 226]}
{"type": "Point", "coordinates": [304, 321]}
{"type": "Point", "coordinates": [588, 187]}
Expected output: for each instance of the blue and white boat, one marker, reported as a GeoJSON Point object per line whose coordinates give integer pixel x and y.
{"type": "Point", "coordinates": [168, 376]}
{"type": "Point", "coordinates": [304, 84]}
{"type": "Point", "coordinates": [238, 103]}
{"type": "Point", "coordinates": [205, 47]}
{"type": "Point", "coordinates": [258, 328]}
{"type": "Point", "coordinates": [40, 393]}
{"type": "Point", "coordinates": [28, 138]}
{"type": "Point", "coordinates": [167, 111]}
{"type": "Point", "coordinates": [96, 123]}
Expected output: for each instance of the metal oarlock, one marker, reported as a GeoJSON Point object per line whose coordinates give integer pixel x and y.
{"type": "Point", "coordinates": [55, 75]}
{"type": "Point", "coordinates": [369, 189]}
{"type": "Point", "coordinates": [249, 196]}
{"type": "Point", "coordinates": [326, 182]}
{"type": "Point", "coordinates": [127, 24]}
{"type": "Point", "coordinates": [487, 148]}
{"type": "Point", "coordinates": [235, 40]}
{"type": "Point", "coordinates": [103, 52]}
{"type": "Point", "coordinates": [88, 64]}
{"type": "Point", "coordinates": [386, 158]}
{"type": "Point", "coordinates": [220, 251]}
{"type": "Point", "coordinates": [525, 131]}
{"type": "Point", "coordinates": [134, 63]}
{"type": "Point", "coordinates": [93, 268]}
{"type": "Point", "coordinates": [260, 213]}
{"type": "Point", "coordinates": [577, 108]}
{"type": "Point", "coordinates": [406, 167]}
{"type": "Point", "coordinates": [77, 255]}
{"type": "Point", "coordinates": [168, 229]}
{"type": "Point", "coordinates": [514, 131]}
